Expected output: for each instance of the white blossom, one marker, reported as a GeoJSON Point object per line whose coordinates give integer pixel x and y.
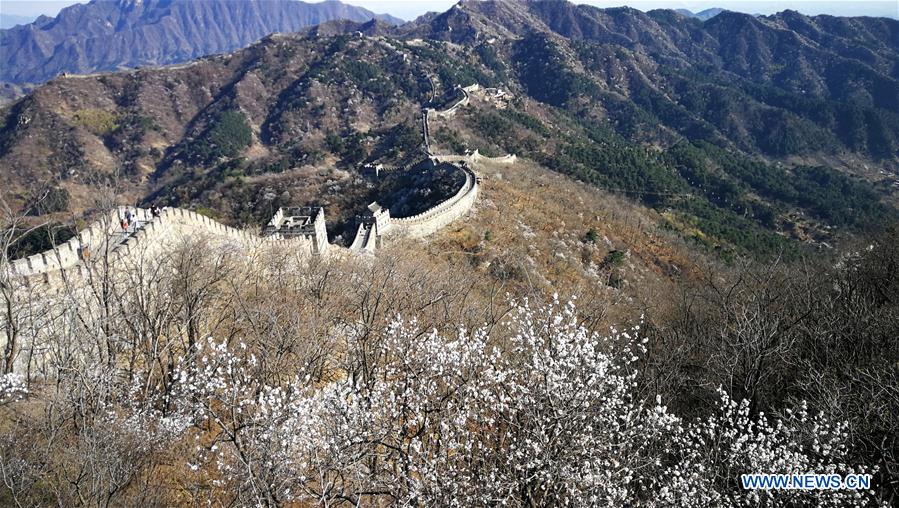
{"type": "Point", "coordinates": [549, 416]}
{"type": "Point", "coordinates": [12, 387]}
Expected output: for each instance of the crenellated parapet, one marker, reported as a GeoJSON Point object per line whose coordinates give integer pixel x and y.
{"type": "Point", "coordinates": [386, 168]}
{"type": "Point", "coordinates": [381, 224]}
{"type": "Point", "coordinates": [435, 218]}
{"type": "Point", "coordinates": [105, 241]}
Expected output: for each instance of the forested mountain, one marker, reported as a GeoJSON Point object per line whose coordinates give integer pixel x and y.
{"type": "Point", "coordinates": [780, 85]}
{"type": "Point", "coordinates": [111, 34]}
{"type": "Point", "coordinates": [746, 131]}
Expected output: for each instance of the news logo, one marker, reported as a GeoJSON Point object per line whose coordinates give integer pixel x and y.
{"type": "Point", "coordinates": [807, 481]}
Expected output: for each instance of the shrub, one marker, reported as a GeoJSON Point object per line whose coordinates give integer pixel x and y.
{"type": "Point", "coordinates": [227, 136]}
{"type": "Point", "coordinates": [98, 121]}
{"type": "Point", "coordinates": [54, 199]}
{"type": "Point", "coordinates": [552, 417]}
{"type": "Point", "coordinates": [614, 258]}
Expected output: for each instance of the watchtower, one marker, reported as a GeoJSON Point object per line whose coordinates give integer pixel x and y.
{"type": "Point", "coordinates": [380, 217]}
{"type": "Point", "coordinates": [299, 222]}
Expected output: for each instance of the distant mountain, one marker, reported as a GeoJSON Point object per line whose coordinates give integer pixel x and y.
{"type": "Point", "coordinates": [709, 13]}
{"type": "Point", "coordinates": [703, 15]}
{"type": "Point", "coordinates": [11, 20]}
{"type": "Point", "coordinates": [112, 34]}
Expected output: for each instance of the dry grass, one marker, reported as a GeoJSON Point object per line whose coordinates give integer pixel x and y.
{"type": "Point", "coordinates": [528, 231]}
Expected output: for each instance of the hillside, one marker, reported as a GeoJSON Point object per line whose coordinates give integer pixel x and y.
{"type": "Point", "coordinates": [105, 35]}
{"type": "Point", "coordinates": [740, 149]}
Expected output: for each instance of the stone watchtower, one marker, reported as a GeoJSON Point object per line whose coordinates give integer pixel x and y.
{"type": "Point", "coordinates": [300, 222]}
{"type": "Point", "coordinates": [380, 217]}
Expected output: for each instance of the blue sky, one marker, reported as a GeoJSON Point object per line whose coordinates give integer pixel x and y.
{"type": "Point", "coordinates": [408, 9]}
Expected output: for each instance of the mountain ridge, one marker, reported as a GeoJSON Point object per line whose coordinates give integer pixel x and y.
{"type": "Point", "coordinates": [11, 20]}
{"type": "Point", "coordinates": [103, 36]}
{"type": "Point", "coordinates": [704, 15]}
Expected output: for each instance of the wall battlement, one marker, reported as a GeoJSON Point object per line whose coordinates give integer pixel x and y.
{"type": "Point", "coordinates": [369, 234]}
{"type": "Point", "coordinates": [148, 237]}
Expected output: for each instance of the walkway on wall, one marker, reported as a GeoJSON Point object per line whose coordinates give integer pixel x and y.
{"type": "Point", "coordinates": [131, 234]}
{"type": "Point", "coordinates": [148, 236]}
{"type": "Point", "coordinates": [364, 241]}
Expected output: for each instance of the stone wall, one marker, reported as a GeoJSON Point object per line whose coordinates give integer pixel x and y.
{"type": "Point", "coordinates": [505, 159]}
{"type": "Point", "coordinates": [98, 237]}
{"type": "Point", "coordinates": [437, 217]}
{"type": "Point", "coordinates": [105, 241]}
{"type": "Point", "coordinates": [152, 237]}
{"type": "Point", "coordinates": [370, 235]}
{"type": "Point", "coordinates": [449, 112]}
{"type": "Point", "coordinates": [382, 168]}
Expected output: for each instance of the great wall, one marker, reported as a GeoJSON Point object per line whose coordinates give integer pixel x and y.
{"type": "Point", "coordinates": [105, 258]}
{"type": "Point", "coordinates": [302, 229]}
{"type": "Point", "coordinates": [145, 238]}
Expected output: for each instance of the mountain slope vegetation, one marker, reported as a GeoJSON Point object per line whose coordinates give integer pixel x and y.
{"type": "Point", "coordinates": [747, 133]}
